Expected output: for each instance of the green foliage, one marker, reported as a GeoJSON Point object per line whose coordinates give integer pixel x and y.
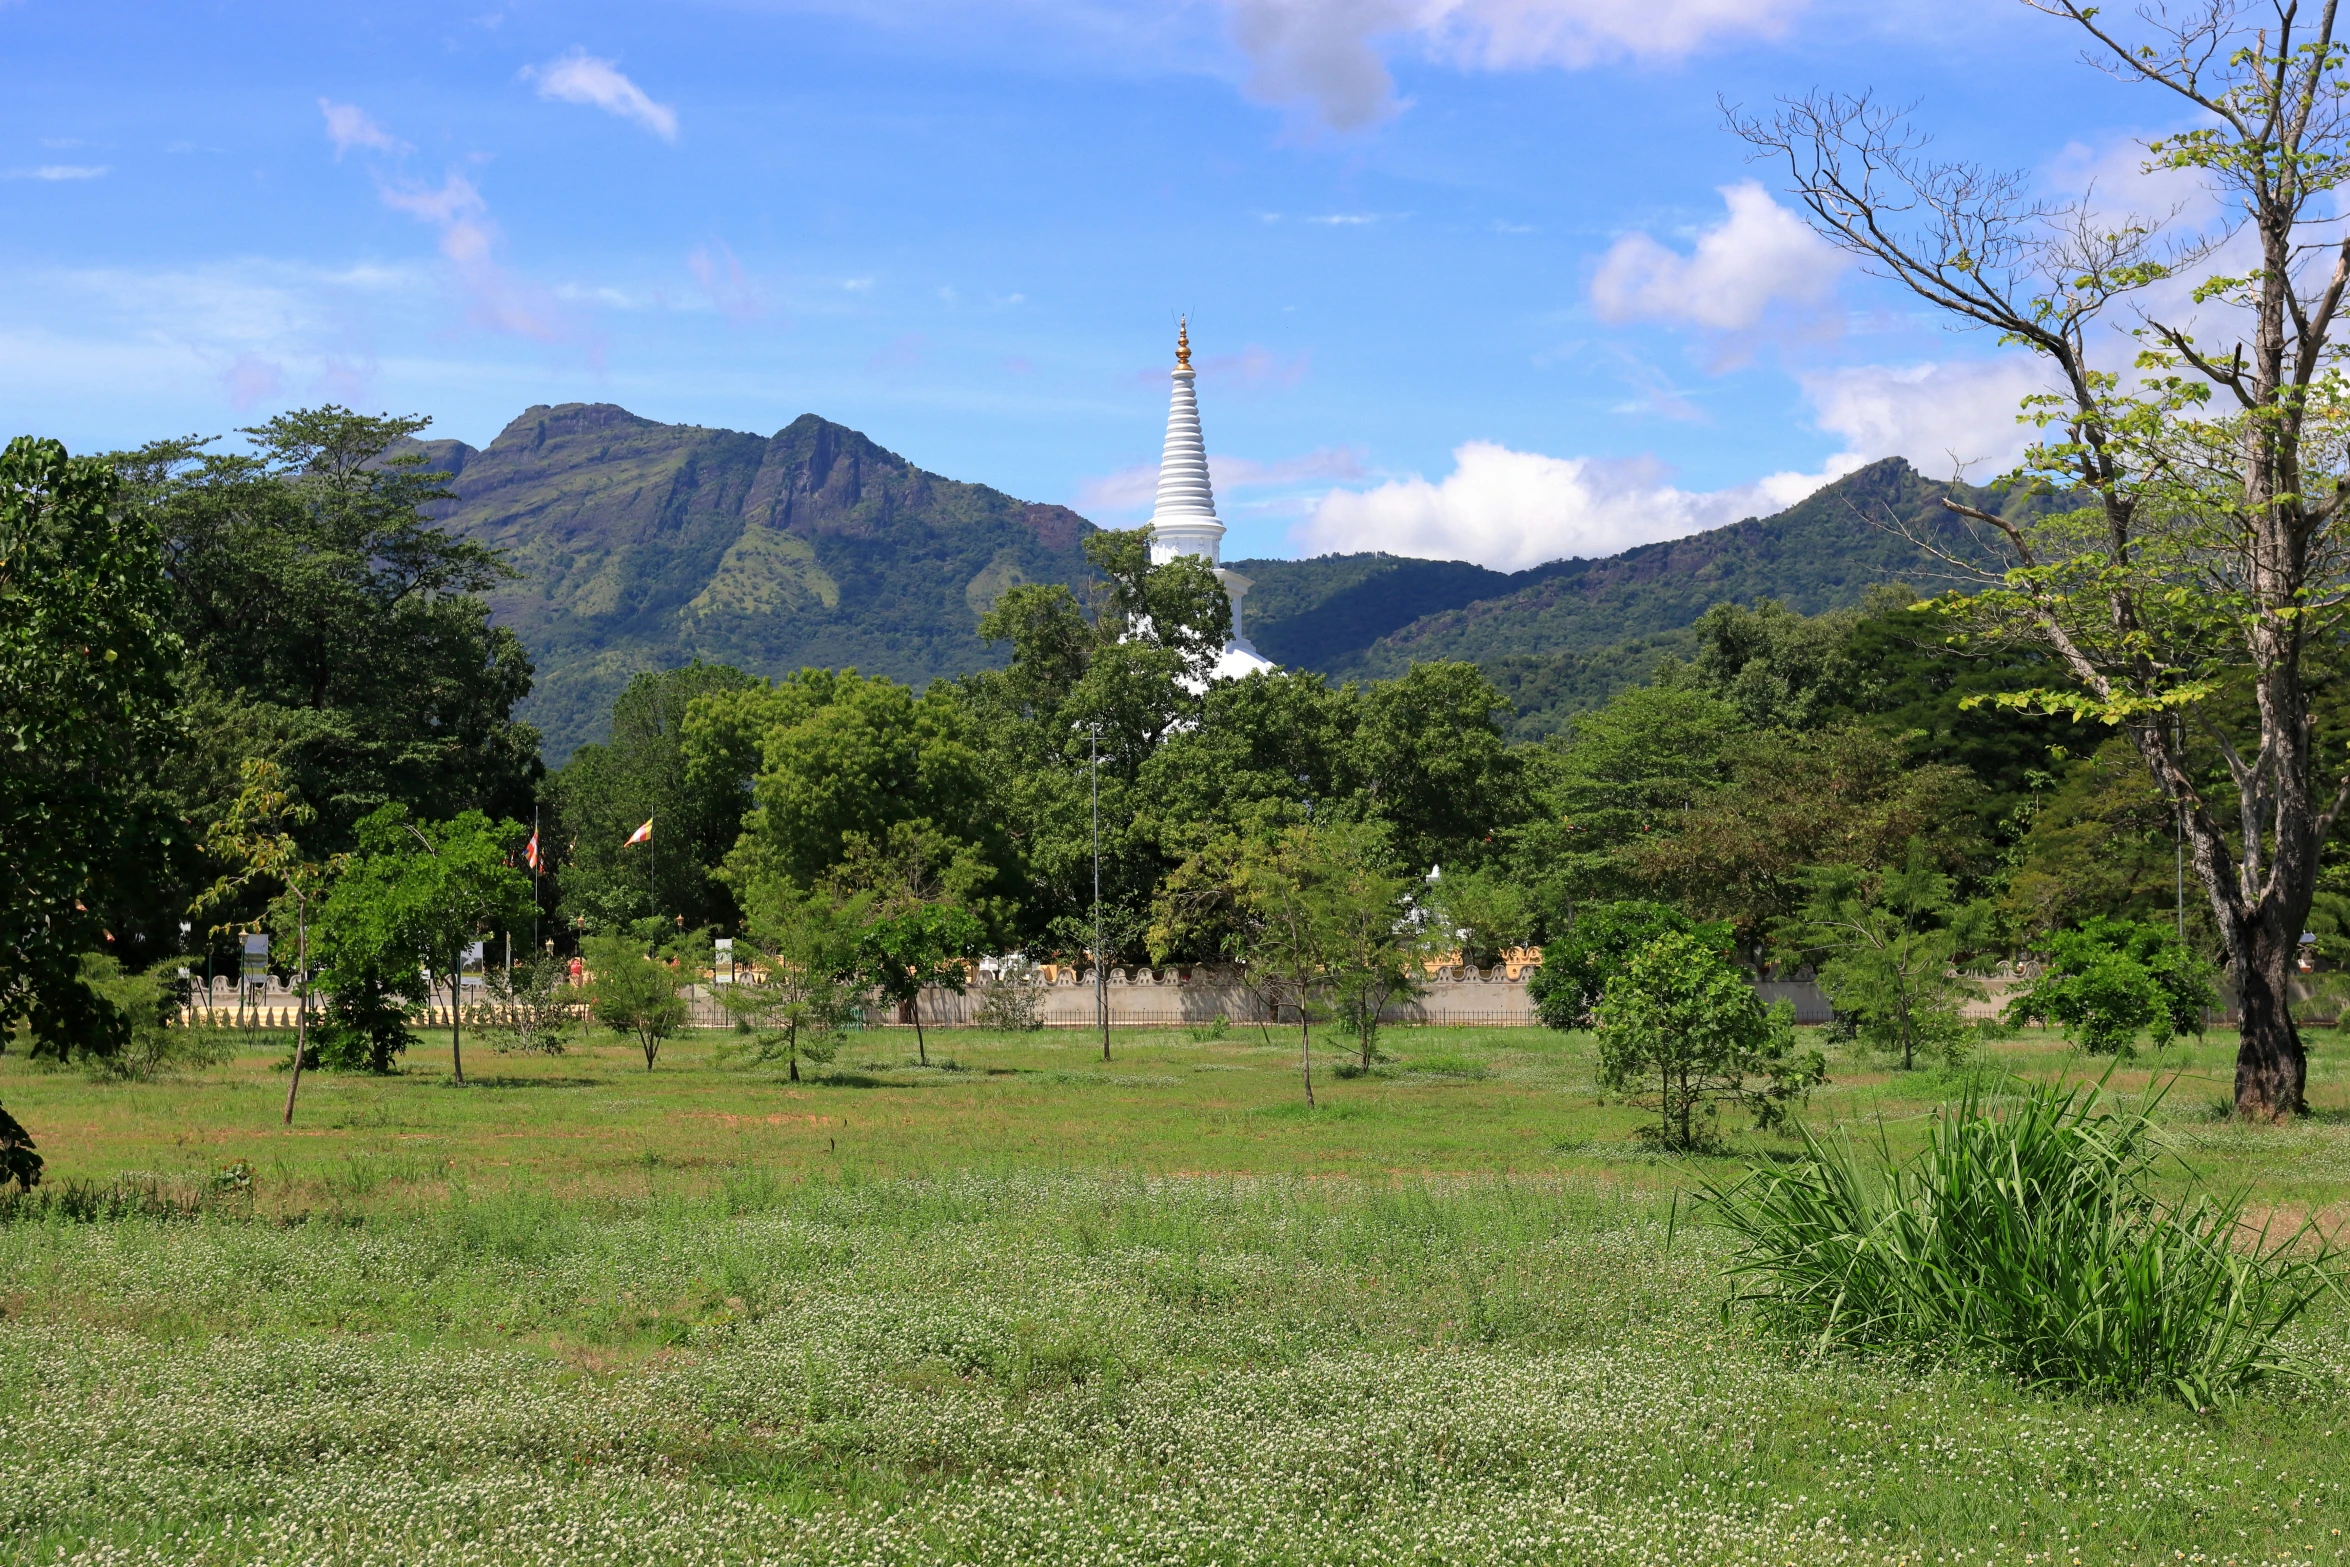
{"type": "Point", "coordinates": [19, 1161]}
{"type": "Point", "coordinates": [2109, 981]}
{"type": "Point", "coordinates": [332, 626]}
{"type": "Point", "coordinates": [2036, 1242]}
{"type": "Point", "coordinates": [838, 756]}
{"type": "Point", "coordinates": [635, 991]}
{"type": "Point", "coordinates": [155, 1042]}
{"type": "Point", "coordinates": [86, 658]}
{"type": "Point", "coordinates": [802, 990]}
{"type": "Point", "coordinates": [1682, 1019]}
{"type": "Point", "coordinates": [645, 771]}
{"type": "Point", "coordinates": [413, 896]}
{"type": "Point", "coordinates": [1888, 946]}
{"type": "Point", "coordinates": [1577, 965]}
{"type": "Point", "coordinates": [1313, 910]}
{"type": "Point", "coordinates": [1484, 908]}
{"type": "Point", "coordinates": [534, 1006]}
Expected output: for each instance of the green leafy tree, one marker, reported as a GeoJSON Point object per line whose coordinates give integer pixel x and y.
{"type": "Point", "coordinates": [1371, 949]}
{"type": "Point", "coordinates": [414, 897]}
{"type": "Point", "coordinates": [1888, 947]}
{"type": "Point", "coordinates": [1680, 1019]}
{"type": "Point", "coordinates": [333, 626]}
{"type": "Point", "coordinates": [1312, 910]}
{"type": "Point", "coordinates": [635, 990]}
{"type": "Point", "coordinates": [2197, 542]}
{"type": "Point", "coordinates": [151, 1001]}
{"type": "Point", "coordinates": [1633, 768]}
{"type": "Point", "coordinates": [913, 894]}
{"type": "Point", "coordinates": [836, 756]}
{"type": "Point", "coordinates": [1485, 910]}
{"type": "Point", "coordinates": [256, 838]}
{"type": "Point", "coordinates": [1577, 964]}
{"type": "Point", "coordinates": [1435, 763]}
{"type": "Point", "coordinates": [86, 659]}
{"type": "Point", "coordinates": [803, 988]}
{"type": "Point", "coordinates": [645, 771]}
{"type": "Point", "coordinates": [1848, 794]}
{"type": "Point", "coordinates": [2110, 981]}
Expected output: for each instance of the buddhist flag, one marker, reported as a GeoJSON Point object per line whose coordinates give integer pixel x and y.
{"type": "Point", "coordinates": [643, 834]}
{"type": "Point", "coordinates": [530, 854]}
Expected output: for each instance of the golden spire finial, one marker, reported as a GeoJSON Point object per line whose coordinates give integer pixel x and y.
{"type": "Point", "coordinates": [1182, 340]}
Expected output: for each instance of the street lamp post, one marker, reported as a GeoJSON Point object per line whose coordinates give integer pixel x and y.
{"type": "Point", "coordinates": [1101, 979]}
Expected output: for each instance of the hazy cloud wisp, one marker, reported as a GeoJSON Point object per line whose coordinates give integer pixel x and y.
{"type": "Point", "coordinates": [579, 77]}
{"type": "Point", "coordinates": [1328, 53]}
{"type": "Point", "coordinates": [348, 126]}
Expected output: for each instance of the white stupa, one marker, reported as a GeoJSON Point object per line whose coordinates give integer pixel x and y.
{"type": "Point", "coordinates": [1184, 520]}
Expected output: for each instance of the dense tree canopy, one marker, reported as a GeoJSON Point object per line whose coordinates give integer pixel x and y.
{"type": "Point", "coordinates": [86, 656]}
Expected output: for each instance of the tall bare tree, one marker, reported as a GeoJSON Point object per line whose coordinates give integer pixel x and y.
{"type": "Point", "coordinates": [2195, 418]}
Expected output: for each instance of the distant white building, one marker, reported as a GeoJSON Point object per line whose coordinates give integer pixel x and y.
{"type": "Point", "coordinates": [1184, 520]}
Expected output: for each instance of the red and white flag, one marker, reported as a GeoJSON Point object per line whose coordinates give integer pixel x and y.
{"type": "Point", "coordinates": [643, 834]}
{"type": "Point", "coordinates": [530, 854]}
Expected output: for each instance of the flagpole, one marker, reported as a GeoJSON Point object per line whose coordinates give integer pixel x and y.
{"type": "Point", "coordinates": [538, 857]}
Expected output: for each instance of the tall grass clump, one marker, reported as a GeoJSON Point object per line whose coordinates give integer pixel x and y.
{"type": "Point", "coordinates": [2028, 1238]}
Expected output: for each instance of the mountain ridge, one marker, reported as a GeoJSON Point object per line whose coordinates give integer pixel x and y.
{"type": "Point", "coordinates": [640, 545]}
{"type": "Point", "coordinates": [645, 545]}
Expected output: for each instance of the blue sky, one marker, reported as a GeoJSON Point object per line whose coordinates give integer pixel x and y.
{"type": "Point", "coordinates": [1463, 276]}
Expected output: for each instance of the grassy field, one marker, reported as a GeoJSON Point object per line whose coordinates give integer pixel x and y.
{"type": "Point", "coordinates": [1026, 1306]}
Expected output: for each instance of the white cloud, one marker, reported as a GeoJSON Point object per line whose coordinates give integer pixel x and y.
{"type": "Point", "coordinates": [579, 77]}
{"type": "Point", "coordinates": [1510, 510]}
{"type": "Point", "coordinates": [60, 171]}
{"type": "Point", "coordinates": [348, 126]}
{"type": "Point", "coordinates": [1760, 259]}
{"type": "Point", "coordinates": [1941, 416]}
{"type": "Point", "coordinates": [1328, 53]}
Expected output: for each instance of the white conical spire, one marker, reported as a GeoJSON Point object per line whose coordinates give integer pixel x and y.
{"type": "Point", "coordinates": [1184, 520]}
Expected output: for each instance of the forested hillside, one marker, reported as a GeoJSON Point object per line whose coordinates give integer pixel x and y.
{"type": "Point", "coordinates": [1562, 638]}
{"type": "Point", "coordinates": [640, 545]}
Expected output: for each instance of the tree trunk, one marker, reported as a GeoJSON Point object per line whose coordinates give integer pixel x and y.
{"type": "Point", "coordinates": [2270, 1065]}
{"type": "Point", "coordinates": [1305, 1049]}
{"type": "Point", "coordinates": [921, 1047]}
{"type": "Point", "coordinates": [301, 1002]}
{"type": "Point", "coordinates": [456, 1018]}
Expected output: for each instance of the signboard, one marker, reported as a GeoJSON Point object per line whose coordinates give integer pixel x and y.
{"type": "Point", "coordinates": [722, 972]}
{"type": "Point", "coordinates": [256, 971]}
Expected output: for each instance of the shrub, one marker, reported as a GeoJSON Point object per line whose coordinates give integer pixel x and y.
{"type": "Point", "coordinates": [1681, 1018]}
{"type": "Point", "coordinates": [2028, 1241]}
{"type": "Point", "coordinates": [1888, 945]}
{"type": "Point", "coordinates": [154, 1042]}
{"type": "Point", "coordinates": [1577, 966]}
{"type": "Point", "coordinates": [2111, 980]}
{"type": "Point", "coordinates": [1014, 999]}
{"type": "Point", "coordinates": [534, 1007]}
{"type": "Point", "coordinates": [635, 992]}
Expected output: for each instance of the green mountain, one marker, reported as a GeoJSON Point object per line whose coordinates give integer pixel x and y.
{"type": "Point", "coordinates": [641, 545]}
{"type": "Point", "coordinates": [1564, 637]}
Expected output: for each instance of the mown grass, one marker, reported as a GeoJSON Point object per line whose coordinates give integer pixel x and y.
{"type": "Point", "coordinates": [1035, 1308]}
